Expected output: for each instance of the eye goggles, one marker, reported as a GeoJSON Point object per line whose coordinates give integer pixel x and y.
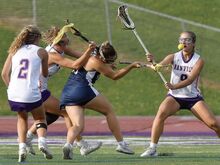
{"type": "Point", "coordinates": [185, 40]}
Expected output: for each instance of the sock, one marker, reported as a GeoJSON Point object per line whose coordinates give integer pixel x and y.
{"type": "Point", "coordinates": [22, 145]}
{"type": "Point", "coordinates": [122, 143]}
{"type": "Point", "coordinates": [68, 144]}
{"type": "Point", "coordinates": [153, 145]}
{"type": "Point", "coordinates": [79, 143]}
{"type": "Point", "coordinates": [42, 139]}
{"type": "Point", "coordinates": [30, 135]}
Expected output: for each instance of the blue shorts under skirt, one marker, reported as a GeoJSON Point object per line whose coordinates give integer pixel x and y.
{"type": "Point", "coordinates": [187, 103]}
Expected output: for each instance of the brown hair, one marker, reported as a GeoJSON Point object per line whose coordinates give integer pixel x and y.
{"type": "Point", "coordinates": [192, 35]}
{"type": "Point", "coordinates": [28, 35]}
{"type": "Point", "coordinates": [108, 51]}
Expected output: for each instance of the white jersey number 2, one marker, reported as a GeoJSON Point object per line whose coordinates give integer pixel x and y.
{"type": "Point", "coordinates": [24, 63]}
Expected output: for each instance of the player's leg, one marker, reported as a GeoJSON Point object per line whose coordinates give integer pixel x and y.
{"type": "Point", "coordinates": [102, 105]}
{"type": "Point", "coordinates": [76, 115]}
{"type": "Point", "coordinates": [167, 108]}
{"type": "Point", "coordinates": [22, 125]}
{"type": "Point", "coordinates": [41, 126]}
{"type": "Point", "coordinates": [202, 112]}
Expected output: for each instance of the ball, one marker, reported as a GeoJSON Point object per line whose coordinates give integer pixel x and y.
{"type": "Point", "coordinates": [180, 46]}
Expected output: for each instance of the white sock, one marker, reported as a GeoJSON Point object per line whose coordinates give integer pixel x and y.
{"type": "Point", "coordinates": [122, 143]}
{"type": "Point", "coordinates": [22, 145]}
{"type": "Point", "coordinates": [42, 139]}
{"type": "Point", "coordinates": [153, 145]}
{"type": "Point", "coordinates": [30, 134]}
{"type": "Point", "coordinates": [69, 144]}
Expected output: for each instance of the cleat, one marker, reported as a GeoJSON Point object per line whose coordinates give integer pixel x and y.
{"type": "Point", "coordinates": [150, 152]}
{"type": "Point", "coordinates": [87, 148]}
{"type": "Point", "coordinates": [43, 148]}
{"type": "Point", "coordinates": [67, 151]}
{"type": "Point", "coordinates": [123, 148]}
{"type": "Point", "coordinates": [22, 155]}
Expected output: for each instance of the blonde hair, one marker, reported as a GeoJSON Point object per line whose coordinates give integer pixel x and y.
{"type": "Point", "coordinates": [50, 34]}
{"type": "Point", "coordinates": [28, 35]}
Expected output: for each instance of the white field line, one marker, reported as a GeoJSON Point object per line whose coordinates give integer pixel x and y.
{"type": "Point", "coordinates": [134, 141]}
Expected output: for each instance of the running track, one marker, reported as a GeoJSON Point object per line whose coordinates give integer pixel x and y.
{"type": "Point", "coordinates": [130, 126]}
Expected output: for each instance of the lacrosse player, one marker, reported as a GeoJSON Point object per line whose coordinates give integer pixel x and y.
{"type": "Point", "coordinates": [51, 104]}
{"type": "Point", "coordinates": [21, 73]}
{"type": "Point", "coordinates": [79, 93]}
{"type": "Point", "coordinates": [183, 90]}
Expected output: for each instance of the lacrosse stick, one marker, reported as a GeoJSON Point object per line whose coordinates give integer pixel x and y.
{"type": "Point", "coordinates": [76, 32]}
{"type": "Point", "coordinates": [129, 24]}
{"type": "Point", "coordinates": [142, 64]}
{"type": "Point", "coordinates": [60, 34]}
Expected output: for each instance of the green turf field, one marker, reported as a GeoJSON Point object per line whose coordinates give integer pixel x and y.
{"type": "Point", "coordinates": [141, 91]}
{"type": "Point", "coordinates": [179, 153]}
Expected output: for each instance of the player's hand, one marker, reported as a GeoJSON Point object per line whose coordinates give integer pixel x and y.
{"type": "Point", "coordinates": [157, 67]}
{"type": "Point", "coordinates": [92, 45]}
{"type": "Point", "coordinates": [150, 58]}
{"type": "Point", "coordinates": [136, 64]}
{"type": "Point", "coordinates": [169, 86]}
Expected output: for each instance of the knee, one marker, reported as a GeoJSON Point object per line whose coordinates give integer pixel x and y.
{"type": "Point", "coordinates": [78, 127]}
{"type": "Point", "coordinates": [161, 115]}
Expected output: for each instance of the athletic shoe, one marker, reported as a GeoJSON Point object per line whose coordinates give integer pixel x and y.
{"type": "Point", "coordinates": [43, 148]}
{"type": "Point", "coordinates": [67, 151]}
{"type": "Point", "coordinates": [123, 148]}
{"type": "Point", "coordinates": [150, 152]}
{"type": "Point", "coordinates": [87, 148]}
{"type": "Point", "coordinates": [22, 154]}
{"type": "Point", "coordinates": [29, 145]}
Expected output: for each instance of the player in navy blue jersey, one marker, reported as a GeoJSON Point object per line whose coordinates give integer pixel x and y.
{"type": "Point", "coordinates": [79, 93]}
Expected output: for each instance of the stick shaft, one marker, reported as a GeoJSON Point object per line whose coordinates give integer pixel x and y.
{"type": "Point", "coordinates": [147, 52]}
{"type": "Point", "coordinates": [140, 40]}
{"type": "Point", "coordinates": [142, 64]}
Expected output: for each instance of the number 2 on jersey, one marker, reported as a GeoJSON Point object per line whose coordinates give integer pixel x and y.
{"type": "Point", "coordinates": [24, 63]}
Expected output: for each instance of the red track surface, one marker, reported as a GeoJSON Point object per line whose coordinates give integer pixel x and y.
{"type": "Point", "coordinates": [134, 125]}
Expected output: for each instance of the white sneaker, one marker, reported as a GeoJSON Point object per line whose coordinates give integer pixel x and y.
{"type": "Point", "coordinates": [44, 149]}
{"type": "Point", "coordinates": [123, 148]}
{"type": "Point", "coordinates": [150, 152]}
{"type": "Point", "coordinates": [67, 151]}
{"type": "Point", "coordinates": [22, 154]}
{"type": "Point", "coordinates": [87, 148]}
{"type": "Point", "coordinates": [29, 145]}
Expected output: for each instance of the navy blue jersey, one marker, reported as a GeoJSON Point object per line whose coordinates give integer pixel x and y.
{"type": "Point", "coordinates": [79, 89]}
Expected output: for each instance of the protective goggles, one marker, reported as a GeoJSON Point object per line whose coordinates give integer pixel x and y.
{"type": "Point", "coordinates": [185, 40]}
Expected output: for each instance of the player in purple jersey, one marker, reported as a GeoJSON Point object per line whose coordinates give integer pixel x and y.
{"type": "Point", "coordinates": [183, 90]}
{"type": "Point", "coordinates": [21, 72]}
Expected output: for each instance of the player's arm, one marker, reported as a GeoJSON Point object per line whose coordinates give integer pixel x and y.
{"type": "Point", "coordinates": [6, 70]}
{"type": "Point", "coordinates": [108, 71]}
{"type": "Point", "coordinates": [190, 77]}
{"type": "Point", "coordinates": [44, 61]}
{"type": "Point", "coordinates": [70, 52]}
{"type": "Point", "coordinates": [73, 64]}
{"type": "Point", "coordinates": [167, 60]}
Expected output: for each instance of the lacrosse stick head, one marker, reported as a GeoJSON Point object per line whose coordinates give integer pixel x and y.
{"type": "Point", "coordinates": [124, 17]}
{"type": "Point", "coordinates": [60, 34]}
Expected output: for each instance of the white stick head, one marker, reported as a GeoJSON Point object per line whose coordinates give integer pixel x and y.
{"type": "Point", "coordinates": [124, 17]}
